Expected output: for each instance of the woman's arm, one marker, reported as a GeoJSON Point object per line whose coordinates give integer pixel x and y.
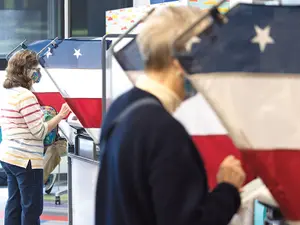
{"type": "Point", "coordinates": [53, 122]}
{"type": "Point", "coordinates": [179, 186]}
{"type": "Point", "coordinates": [30, 109]}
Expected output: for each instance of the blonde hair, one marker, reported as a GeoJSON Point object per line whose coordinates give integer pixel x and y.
{"type": "Point", "coordinates": [18, 69]}
{"type": "Point", "coordinates": [161, 29]}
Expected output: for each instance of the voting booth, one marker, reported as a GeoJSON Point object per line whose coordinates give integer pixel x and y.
{"type": "Point", "coordinates": [266, 80]}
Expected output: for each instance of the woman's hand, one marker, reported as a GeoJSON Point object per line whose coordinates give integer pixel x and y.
{"type": "Point", "coordinates": [65, 110]}
{"type": "Point", "coordinates": [231, 172]}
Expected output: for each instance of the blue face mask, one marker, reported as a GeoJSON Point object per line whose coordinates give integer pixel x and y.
{"type": "Point", "coordinates": [189, 89]}
{"type": "Point", "coordinates": [36, 75]}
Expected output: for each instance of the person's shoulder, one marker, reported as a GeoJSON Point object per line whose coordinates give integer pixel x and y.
{"type": "Point", "coordinates": [25, 97]}
{"type": "Point", "coordinates": [21, 92]}
{"type": "Point", "coordinates": [26, 94]}
{"type": "Point", "coordinates": [121, 101]}
{"type": "Point", "coordinates": [124, 101]}
{"type": "Point", "coordinates": [156, 118]}
{"type": "Point", "coordinates": [18, 94]}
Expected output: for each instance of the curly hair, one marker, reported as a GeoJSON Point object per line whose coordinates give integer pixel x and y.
{"type": "Point", "coordinates": [18, 69]}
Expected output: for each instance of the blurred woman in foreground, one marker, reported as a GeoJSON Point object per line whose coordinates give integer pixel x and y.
{"type": "Point", "coordinates": [151, 172]}
{"type": "Point", "coordinates": [23, 132]}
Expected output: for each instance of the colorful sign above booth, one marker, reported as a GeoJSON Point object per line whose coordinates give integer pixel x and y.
{"type": "Point", "coordinates": [118, 21]}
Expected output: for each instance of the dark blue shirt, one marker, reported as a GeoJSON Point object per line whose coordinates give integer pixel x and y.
{"type": "Point", "coordinates": [152, 173]}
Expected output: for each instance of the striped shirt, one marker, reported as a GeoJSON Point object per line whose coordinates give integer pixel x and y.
{"type": "Point", "coordinates": [23, 128]}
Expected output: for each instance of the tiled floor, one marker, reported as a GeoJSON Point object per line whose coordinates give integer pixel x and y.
{"type": "Point", "coordinates": [53, 214]}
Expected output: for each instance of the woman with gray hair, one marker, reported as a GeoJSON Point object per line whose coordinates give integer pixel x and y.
{"type": "Point", "coordinates": [151, 172]}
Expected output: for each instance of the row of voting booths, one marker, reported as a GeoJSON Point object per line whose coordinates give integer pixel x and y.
{"type": "Point", "coordinates": [245, 69]}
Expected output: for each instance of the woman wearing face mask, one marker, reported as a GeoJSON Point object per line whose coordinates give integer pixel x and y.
{"type": "Point", "coordinates": [151, 172]}
{"type": "Point", "coordinates": [23, 132]}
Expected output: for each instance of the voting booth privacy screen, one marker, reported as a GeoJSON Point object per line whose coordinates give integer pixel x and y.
{"type": "Point", "coordinates": [252, 81]}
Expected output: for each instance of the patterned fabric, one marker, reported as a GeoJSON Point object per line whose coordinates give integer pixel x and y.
{"type": "Point", "coordinates": [23, 128]}
{"type": "Point", "coordinates": [49, 113]}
